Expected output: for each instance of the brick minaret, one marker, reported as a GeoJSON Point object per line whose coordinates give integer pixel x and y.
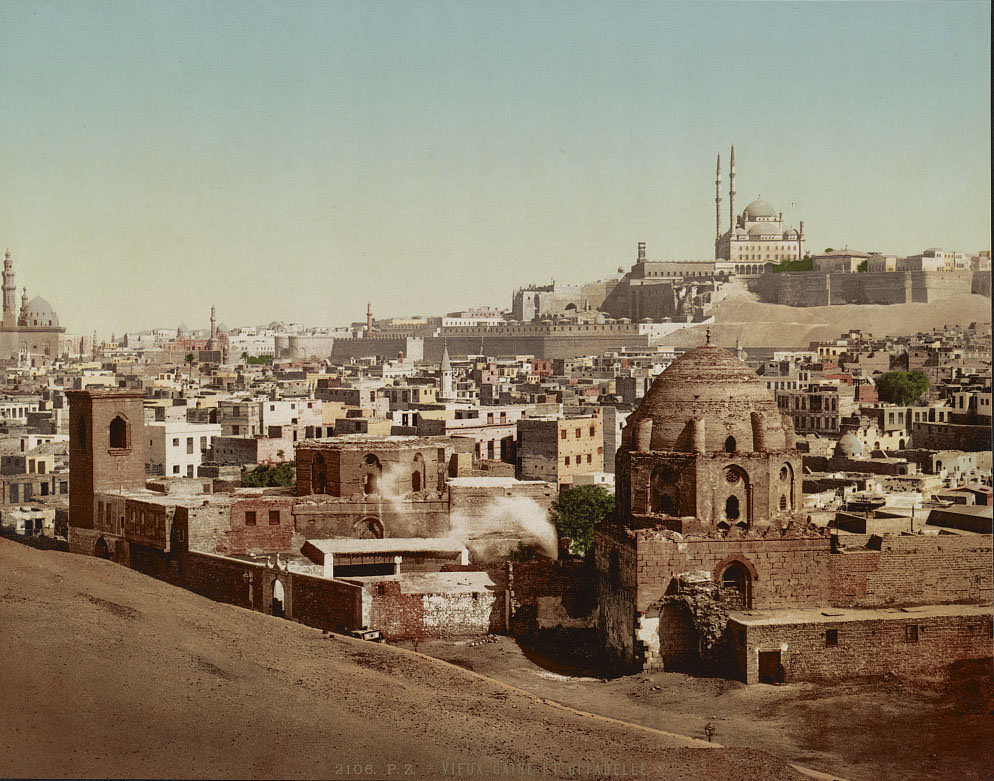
{"type": "Point", "coordinates": [106, 448]}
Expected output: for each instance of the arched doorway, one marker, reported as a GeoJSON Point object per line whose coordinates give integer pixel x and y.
{"type": "Point", "coordinates": [278, 598]}
{"type": "Point", "coordinates": [369, 529]}
{"type": "Point", "coordinates": [787, 486]}
{"type": "Point", "coordinates": [736, 586]}
{"type": "Point", "coordinates": [102, 551]}
{"type": "Point", "coordinates": [732, 512]}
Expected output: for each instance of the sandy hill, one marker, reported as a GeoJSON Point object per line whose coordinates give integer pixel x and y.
{"type": "Point", "coordinates": [109, 673]}
{"type": "Point", "coordinates": [742, 316]}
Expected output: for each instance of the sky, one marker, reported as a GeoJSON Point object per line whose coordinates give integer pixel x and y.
{"type": "Point", "coordinates": [292, 161]}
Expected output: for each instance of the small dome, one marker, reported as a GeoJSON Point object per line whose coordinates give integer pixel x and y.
{"type": "Point", "coordinates": [740, 232]}
{"type": "Point", "coordinates": [39, 312]}
{"type": "Point", "coordinates": [759, 208]}
{"type": "Point", "coordinates": [849, 446]}
{"type": "Point", "coordinates": [764, 230]}
{"type": "Point", "coordinates": [790, 233]}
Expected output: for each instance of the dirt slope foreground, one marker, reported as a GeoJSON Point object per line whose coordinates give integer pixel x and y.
{"type": "Point", "coordinates": [106, 672]}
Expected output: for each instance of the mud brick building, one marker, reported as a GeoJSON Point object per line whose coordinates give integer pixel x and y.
{"type": "Point", "coordinates": [708, 561]}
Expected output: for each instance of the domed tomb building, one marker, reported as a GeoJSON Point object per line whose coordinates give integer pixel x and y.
{"type": "Point", "coordinates": [708, 487]}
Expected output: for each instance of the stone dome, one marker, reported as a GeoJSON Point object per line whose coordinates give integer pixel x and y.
{"type": "Point", "coordinates": [764, 230]}
{"type": "Point", "coordinates": [759, 208]}
{"type": "Point", "coordinates": [849, 446]}
{"type": "Point", "coordinates": [710, 385]}
{"type": "Point", "coordinates": [39, 312]}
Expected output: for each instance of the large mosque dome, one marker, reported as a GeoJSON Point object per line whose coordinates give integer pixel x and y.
{"type": "Point", "coordinates": [709, 385]}
{"type": "Point", "coordinates": [759, 208]}
{"type": "Point", "coordinates": [39, 313]}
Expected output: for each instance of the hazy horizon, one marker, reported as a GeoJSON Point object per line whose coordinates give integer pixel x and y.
{"type": "Point", "coordinates": [291, 162]}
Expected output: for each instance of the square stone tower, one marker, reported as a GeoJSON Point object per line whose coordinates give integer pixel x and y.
{"type": "Point", "coordinates": [106, 448]}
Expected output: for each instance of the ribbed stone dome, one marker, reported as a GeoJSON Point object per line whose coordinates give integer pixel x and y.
{"type": "Point", "coordinates": [708, 384]}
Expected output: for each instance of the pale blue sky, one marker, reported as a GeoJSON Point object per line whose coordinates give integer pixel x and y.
{"type": "Point", "coordinates": [292, 160]}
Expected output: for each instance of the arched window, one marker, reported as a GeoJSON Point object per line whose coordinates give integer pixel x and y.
{"type": "Point", "coordinates": [732, 508]}
{"type": "Point", "coordinates": [417, 474]}
{"type": "Point", "coordinates": [730, 445]}
{"type": "Point", "coordinates": [319, 474]}
{"type": "Point", "coordinates": [118, 433]}
{"type": "Point", "coordinates": [664, 495]}
{"type": "Point", "coordinates": [371, 480]}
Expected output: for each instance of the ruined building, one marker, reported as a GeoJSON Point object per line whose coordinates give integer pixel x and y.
{"type": "Point", "coordinates": [708, 561]}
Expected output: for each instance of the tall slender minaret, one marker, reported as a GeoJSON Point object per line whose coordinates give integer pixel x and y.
{"type": "Point", "coordinates": [717, 201]}
{"type": "Point", "coordinates": [731, 188]}
{"type": "Point", "coordinates": [445, 386]}
{"type": "Point", "coordinates": [213, 323]}
{"type": "Point", "coordinates": [369, 319]}
{"type": "Point", "coordinates": [9, 293]}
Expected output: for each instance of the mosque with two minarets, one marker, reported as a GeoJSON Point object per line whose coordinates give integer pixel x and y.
{"type": "Point", "coordinates": [755, 237]}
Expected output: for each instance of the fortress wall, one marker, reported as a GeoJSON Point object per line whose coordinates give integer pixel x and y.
{"type": "Point", "coordinates": [813, 288]}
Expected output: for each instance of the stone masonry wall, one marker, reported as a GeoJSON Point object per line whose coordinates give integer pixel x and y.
{"type": "Point", "coordinates": [786, 571]}
{"type": "Point", "coordinates": [865, 648]}
{"type": "Point", "coordinates": [913, 570]}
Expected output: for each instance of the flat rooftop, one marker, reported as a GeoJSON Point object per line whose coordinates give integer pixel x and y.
{"type": "Point", "coordinates": [490, 482]}
{"type": "Point", "coordinates": [830, 615]}
{"type": "Point", "coordinates": [389, 545]}
{"type": "Point", "coordinates": [433, 582]}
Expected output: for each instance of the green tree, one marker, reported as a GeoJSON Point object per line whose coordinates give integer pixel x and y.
{"type": "Point", "coordinates": [577, 510]}
{"type": "Point", "coordinates": [281, 475]}
{"type": "Point", "coordinates": [804, 264]}
{"type": "Point", "coordinates": [901, 387]}
{"type": "Point", "coordinates": [862, 267]}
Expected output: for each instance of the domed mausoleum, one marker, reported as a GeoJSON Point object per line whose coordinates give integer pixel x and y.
{"type": "Point", "coordinates": [708, 498]}
{"type": "Point", "coordinates": [708, 450]}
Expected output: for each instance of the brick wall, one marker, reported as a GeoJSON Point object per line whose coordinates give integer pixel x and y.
{"type": "Point", "coordinates": [263, 534]}
{"type": "Point", "coordinates": [223, 580]}
{"type": "Point", "coordinates": [866, 647]}
{"type": "Point", "coordinates": [615, 562]}
{"type": "Point", "coordinates": [400, 518]}
{"type": "Point", "coordinates": [416, 616]}
{"type": "Point", "coordinates": [326, 604]}
{"type": "Point", "coordinates": [546, 593]}
{"type": "Point", "coordinates": [787, 571]}
{"type": "Point", "coordinates": [913, 570]}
